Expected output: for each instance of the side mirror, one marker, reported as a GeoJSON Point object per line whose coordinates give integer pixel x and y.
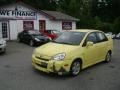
{"type": "Point", "coordinates": [89, 44]}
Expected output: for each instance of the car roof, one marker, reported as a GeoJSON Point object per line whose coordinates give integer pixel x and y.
{"type": "Point", "coordinates": [86, 30]}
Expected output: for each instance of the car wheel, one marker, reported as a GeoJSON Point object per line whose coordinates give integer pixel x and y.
{"type": "Point", "coordinates": [108, 57]}
{"type": "Point", "coordinates": [75, 68]}
{"type": "Point", "coordinates": [31, 43]}
{"type": "Point", "coordinates": [18, 39]}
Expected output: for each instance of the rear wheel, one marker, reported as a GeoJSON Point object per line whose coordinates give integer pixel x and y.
{"type": "Point", "coordinates": [31, 43]}
{"type": "Point", "coordinates": [108, 57]}
{"type": "Point", "coordinates": [75, 68]}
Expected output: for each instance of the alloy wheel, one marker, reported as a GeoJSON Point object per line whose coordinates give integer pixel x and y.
{"type": "Point", "coordinates": [76, 67]}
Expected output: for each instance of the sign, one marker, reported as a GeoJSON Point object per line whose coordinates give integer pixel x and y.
{"type": "Point", "coordinates": [67, 25]}
{"type": "Point", "coordinates": [28, 25]}
{"type": "Point", "coordinates": [15, 14]}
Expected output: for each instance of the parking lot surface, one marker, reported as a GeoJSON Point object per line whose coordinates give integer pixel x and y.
{"type": "Point", "coordinates": [17, 73]}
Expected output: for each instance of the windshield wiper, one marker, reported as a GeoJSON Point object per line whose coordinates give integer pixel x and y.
{"type": "Point", "coordinates": [63, 43]}
{"type": "Point", "coordinates": [66, 43]}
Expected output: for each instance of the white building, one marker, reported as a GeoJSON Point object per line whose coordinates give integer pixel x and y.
{"type": "Point", "coordinates": [17, 17]}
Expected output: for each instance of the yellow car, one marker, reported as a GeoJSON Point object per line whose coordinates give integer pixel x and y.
{"type": "Point", "coordinates": [73, 51]}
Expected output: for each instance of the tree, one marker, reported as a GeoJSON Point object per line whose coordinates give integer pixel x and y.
{"type": "Point", "coordinates": [116, 25]}
{"type": "Point", "coordinates": [107, 10]}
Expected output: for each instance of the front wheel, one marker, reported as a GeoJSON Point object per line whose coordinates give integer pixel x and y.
{"type": "Point", "coordinates": [18, 39]}
{"type": "Point", "coordinates": [31, 43]}
{"type": "Point", "coordinates": [75, 68]}
{"type": "Point", "coordinates": [108, 57]}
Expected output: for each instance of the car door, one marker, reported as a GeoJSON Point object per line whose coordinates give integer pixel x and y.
{"type": "Point", "coordinates": [90, 52]}
{"type": "Point", "coordinates": [23, 36]}
{"type": "Point", "coordinates": [27, 37]}
{"type": "Point", "coordinates": [102, 45]}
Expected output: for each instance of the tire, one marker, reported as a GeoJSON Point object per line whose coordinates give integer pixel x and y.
{"type": "Point", "coordinates": [108, 57]}
{"type": "Point", "coordinates": [75, 68]}
{"type": "Point", "coordinates": [31, 43]}
{"type": "Point", "coordinates": [18, 39]}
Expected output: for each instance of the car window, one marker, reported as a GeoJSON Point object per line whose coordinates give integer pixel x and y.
{"type": "Point", "coordinates": [72, 38]}
{"type": "Point", "coordinates": [33, 32]}
{"type": "Point", "coordinates": [48, 31]}
{"type": "Point", "coordinates": [25, 32]}
{"type": "Point", "coordinates": [101, 37]}
{"type": "Point", "coordinates": [92, 38]}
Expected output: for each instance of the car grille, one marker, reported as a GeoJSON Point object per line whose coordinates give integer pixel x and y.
{"type": "Point", "coordinates": [43, 40]}
{"type": "Point", "coordinates": [43, 65]}
{"type": "Point", "coordinates": [42, 58]}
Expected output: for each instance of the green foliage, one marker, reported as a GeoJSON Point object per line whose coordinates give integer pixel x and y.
{"type": "Point", "coordinates": [96, 14]}
{"type": "Point", "coordinates": [116, 25]}
{"type": "Point", "coordinates": [99, 25]}
{"type": "Point", "coordinates": [86, 22]}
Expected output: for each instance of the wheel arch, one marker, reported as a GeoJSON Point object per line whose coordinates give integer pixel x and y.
{"type": "Point", "coordinates": [80, 60]}
{"type": "Point", "coordinates": [110, 51]}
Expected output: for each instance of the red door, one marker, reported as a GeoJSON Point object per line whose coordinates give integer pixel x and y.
{"type": "Point", "coordinates": [42, 25]}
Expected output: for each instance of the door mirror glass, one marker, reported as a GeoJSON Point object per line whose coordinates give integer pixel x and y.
{"type": "Point", "coordinates": [90, 43]}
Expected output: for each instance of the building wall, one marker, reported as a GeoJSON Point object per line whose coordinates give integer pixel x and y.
{"type": "Point", "coordinates": [16, 26]}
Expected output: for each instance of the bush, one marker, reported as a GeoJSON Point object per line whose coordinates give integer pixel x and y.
{"type": "Point", "coordinates": [116, 25]}
{"type": "Point", "coordinates": [86, 22]}
{"type": "Point", "coordinates": [99, 25]}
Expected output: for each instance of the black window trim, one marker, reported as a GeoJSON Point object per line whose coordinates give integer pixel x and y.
{"type": "Point", "coordinates": [102, 40]}
{"type": "Point", "coordinates": [85, 42]}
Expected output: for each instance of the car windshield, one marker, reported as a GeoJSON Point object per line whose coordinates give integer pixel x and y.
{"type": "Point", "coordinates": [35, 33]}
{"type": "Point", "coordinates": [56, 32]}
{"type": "Point", "coordinates": [71, 38]}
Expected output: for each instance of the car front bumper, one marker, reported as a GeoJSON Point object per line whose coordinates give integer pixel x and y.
{"type": "Point", "coordinates": [2, 48]}
{"type": "Point", "coordinates": [59, 67]}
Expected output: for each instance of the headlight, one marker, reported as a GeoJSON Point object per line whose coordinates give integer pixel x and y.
{"type": "Point", "coordinates": [58, 57]}
{"type": "Point", "coordinates": [37, 39]}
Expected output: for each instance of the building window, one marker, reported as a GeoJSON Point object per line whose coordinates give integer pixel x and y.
{"type": "Point", "coordinates": [4, 30]}
{"type": "Point", "coordinates": [67, 25]}
{"type": "Point", "coordinates": [28, 25]}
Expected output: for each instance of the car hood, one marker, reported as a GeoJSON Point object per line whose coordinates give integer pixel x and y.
{"type": "Point", "coordinates": [40, 37]}
{"type": "Point", "coordinates": [51, 49]}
